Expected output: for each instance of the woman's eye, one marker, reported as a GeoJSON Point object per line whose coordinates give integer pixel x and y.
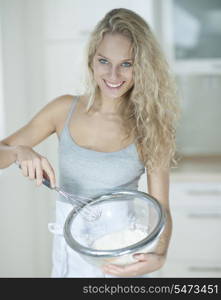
{"type": "Point", "coordinates": [103, 61]}
{"type": "Point", "coordinates": [126, 64]}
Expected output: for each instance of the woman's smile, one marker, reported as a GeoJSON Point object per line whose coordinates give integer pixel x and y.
{"type": "Point", "coordinates": [113, 86]}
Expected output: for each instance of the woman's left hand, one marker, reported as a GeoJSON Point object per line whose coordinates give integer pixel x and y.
{"type": "Point", "coordinates": [146, 263]}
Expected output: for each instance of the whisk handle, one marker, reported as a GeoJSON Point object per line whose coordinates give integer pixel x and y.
{"type": "Point", "coordinates": [47, 183]}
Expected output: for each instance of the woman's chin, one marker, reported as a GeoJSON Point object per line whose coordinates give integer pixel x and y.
{"type": "Point", "coordinates": [112, 94]}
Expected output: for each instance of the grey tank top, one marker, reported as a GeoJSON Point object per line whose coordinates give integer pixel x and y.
{"type": "Point", "coordinates": [88, 172]}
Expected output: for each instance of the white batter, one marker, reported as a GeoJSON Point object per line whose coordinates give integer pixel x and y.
{"type": "Point", "coordinates": [119, 239]}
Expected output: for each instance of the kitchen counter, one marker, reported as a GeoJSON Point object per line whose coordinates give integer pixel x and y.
{"type": "Point", "coordinates": [198, 167]}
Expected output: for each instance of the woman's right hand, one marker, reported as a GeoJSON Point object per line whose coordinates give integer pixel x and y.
{"type": "Point", "coordinates": [34, 166]}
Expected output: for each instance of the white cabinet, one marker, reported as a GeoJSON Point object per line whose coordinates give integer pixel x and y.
{"type": "Point", "coordinates": [195, 246]}
{"type": "Point", "coordinates": [199, 268]}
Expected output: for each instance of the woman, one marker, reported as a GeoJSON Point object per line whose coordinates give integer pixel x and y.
{"type": "Point", "coordinates": [122, 125]}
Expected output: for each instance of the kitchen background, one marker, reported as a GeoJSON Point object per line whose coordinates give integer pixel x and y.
{"type": "Point", "coordinates": [41, 57]}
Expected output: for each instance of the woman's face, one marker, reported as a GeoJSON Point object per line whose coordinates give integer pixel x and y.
{"type": "Point", "coordinates": [113, 64]}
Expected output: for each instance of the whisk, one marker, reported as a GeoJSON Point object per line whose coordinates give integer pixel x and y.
{"type": "Point", "coordinates": [81, 202]}
{"type": "Point", "coordinates": [89, 213]}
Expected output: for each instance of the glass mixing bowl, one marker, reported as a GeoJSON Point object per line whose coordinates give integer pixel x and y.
{"type": "Point", "coordinates": [129, 222]}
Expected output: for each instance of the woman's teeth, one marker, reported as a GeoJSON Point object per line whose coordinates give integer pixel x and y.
{"type": "Point", "coordinates": [111, 85]}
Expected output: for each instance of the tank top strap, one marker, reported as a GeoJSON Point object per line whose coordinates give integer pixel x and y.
{"type": "Point", "coordinates": [70, 113]}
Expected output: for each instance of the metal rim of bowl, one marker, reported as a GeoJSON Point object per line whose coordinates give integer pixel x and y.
{"type": "Point", "coordinates": [121, 251]}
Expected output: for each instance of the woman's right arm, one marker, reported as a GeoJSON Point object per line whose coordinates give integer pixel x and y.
{"type": "Point", "coordinates": [18, 146]}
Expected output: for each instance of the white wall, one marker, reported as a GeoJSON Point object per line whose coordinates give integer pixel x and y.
{"type": "Point", "coordinates": [24, 210]}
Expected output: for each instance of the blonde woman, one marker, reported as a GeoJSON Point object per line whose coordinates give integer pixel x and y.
{"type": "Point", "coordinates": [123, 124]}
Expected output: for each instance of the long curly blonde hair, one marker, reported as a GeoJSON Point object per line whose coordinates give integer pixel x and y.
{"type": "Point", "coordinates": [150, 109]}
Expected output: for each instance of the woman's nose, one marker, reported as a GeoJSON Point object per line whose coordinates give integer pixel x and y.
{"type": "Point", "coordinates": [114, 73]}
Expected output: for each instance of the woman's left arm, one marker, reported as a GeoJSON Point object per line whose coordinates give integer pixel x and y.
{"type": "Point", "coordinates": [158, 187]}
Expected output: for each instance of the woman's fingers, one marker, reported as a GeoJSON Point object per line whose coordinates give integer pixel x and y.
{"type": "Point", "coordinates": [141, 256]}
{"type": "Point", "coordinates": [49, 170]}
{"type": "Point", "coordinates": [134, 269]}
{"type": "Point", "coordinates": [24, 168]}
{"type": "Point", "coordinates": [39, 173]}
{"type": "Point", "coordinates": [34, 165]}
{"type": "Point", "coordinates": [130, 270]}
{"type": "Point", "coordinates": [38, 169]}
{"type": "Point", "coordinates": [146, 263]}
{"type": "Point", "coordinates": [31, 170]}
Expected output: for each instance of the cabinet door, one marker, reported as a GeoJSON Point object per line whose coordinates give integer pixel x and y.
{"type": "Point", "coordinates": [196, 235]}
{"type": "Point", "coordinates": [194, 195]}
{"type": "Point", "coordinates": [191, 269]}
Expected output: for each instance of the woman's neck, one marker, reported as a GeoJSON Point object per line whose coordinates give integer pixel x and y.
{"type": "Point", "coordinates": [107, 105]}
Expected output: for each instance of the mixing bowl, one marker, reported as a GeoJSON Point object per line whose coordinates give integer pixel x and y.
{"type": "Point", "coordinates": [130, 222]}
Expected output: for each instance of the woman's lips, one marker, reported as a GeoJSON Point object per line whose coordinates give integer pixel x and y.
{"type": "Point", "coordinates": [113, 86]}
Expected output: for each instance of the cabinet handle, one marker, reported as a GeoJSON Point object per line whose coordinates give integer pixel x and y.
{"type": "Point", "coordinates": [204, 192]}
{"type": "Point", "coordinates": [206, 215]}
{"type": "Point", "coordinates": [216, 66]}
{"type": "Point", "coordinates": [204, 269]}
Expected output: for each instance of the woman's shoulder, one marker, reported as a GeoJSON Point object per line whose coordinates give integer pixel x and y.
{"type": "Point", "coordinates": [60, 108]}
{"type": "Point", "coordinates": [64, 102]}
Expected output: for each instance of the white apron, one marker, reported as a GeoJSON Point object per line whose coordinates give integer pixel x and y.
{"type": "Point", "coordinates": [65, 261]}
